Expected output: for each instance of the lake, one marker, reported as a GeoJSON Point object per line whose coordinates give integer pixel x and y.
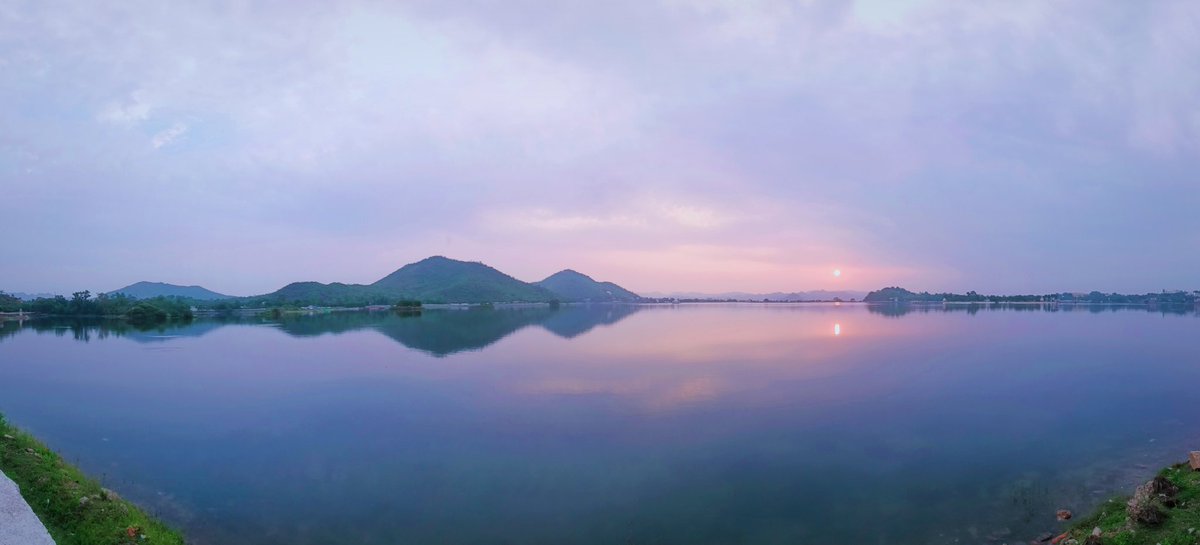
{"type": "Point", "coordinates": [708, 424]}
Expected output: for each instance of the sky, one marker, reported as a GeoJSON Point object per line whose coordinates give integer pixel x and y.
{"type": "Point", "coordinates": [667, 145]}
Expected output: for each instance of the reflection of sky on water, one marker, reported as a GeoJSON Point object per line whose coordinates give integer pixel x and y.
{"type": "Point", "coordinates": [691, 424]}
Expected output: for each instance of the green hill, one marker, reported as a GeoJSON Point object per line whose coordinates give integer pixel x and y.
{"type": "Point", "coordinates": [892, 294]}
{"type": "Point", "coordinates": [442, 280]}
{"type": "Point", "coordinates": [569, 285]}
{"type": "Point", "coordinates": [149, 290]}
{"type": "Point", "coordinates": [335, 294]}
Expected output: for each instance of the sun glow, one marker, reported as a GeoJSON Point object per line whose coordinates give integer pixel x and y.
{"type": "Point", "coordinates": [837, 272]}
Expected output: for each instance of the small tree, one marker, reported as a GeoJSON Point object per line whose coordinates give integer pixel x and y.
{"type": "Point", "coordinates": [145, 313]}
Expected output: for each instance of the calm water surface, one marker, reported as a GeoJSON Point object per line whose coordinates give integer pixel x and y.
{"type": "Point", "coordinates": [729, 424]}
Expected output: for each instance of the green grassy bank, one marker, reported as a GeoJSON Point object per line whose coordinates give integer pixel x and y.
{"type": "Point", "coordinates": [74, 508]}
{"type": "Point", "coordinates": [1175, 514]}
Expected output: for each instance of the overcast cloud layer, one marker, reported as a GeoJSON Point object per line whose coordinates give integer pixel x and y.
{"type": "Point", "coordinates": [665, 145]}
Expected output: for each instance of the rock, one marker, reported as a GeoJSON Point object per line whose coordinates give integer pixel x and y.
{"type": "Point", "coordinates": [1059, 538]}
{"type": "Point", "coordinates": [9, 437]}
{"type": "Point", "coordinates": [1193, 459]}
{"type": "Point", "coordinates": [1149, 501]}
{"type": "Point", "coordinates": [109, 494]}
{"type": "Point", "coordinates": [1097, 532]}
{"type": "Point", "coordinates": [1063, 514]}
{"type": "Point", "coordinates": [84, 501]}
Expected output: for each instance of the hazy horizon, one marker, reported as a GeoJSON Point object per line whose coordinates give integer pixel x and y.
{"type": "Point", "coordinates": [645, 293]}
{"type": "Point", "coordinates": [666, 146]}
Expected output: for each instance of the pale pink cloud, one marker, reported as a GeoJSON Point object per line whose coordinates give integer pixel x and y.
{"type": "Point", "coordinates": [716, 145]}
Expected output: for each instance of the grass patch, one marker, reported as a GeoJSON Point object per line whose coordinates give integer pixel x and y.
{"type": "Point", "coordinates": [56, 491]}
{"type": "Point", "coordinates": [1112, 519]}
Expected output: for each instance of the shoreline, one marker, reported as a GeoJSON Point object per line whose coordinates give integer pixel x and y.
{"type": "Point", "coordinates": [74, 508]}
{"type": "Point", "coordinates": [1162, 511]}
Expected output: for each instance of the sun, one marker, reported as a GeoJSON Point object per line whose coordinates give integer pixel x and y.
{"type": "Point", "coordinates": [837, 272]}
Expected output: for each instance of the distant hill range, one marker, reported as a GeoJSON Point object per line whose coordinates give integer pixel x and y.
{"type": "Point", "coordinates": [440, 279]}
{"type": "Point", "coordinates": [32, 296]}
{"type": "Point", "coordinates": [570, 285]}
{"type": "Point", "coordinates": [896, 294]}
{"type": "Point", "coordinates": [146, 290]}
{"type": "Point", "coordinates": [817, 295]}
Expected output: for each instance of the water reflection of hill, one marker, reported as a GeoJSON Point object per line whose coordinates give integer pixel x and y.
{"type": "Point", "coordinates": [438, 332]}
{"type": "Point", "coordinates": [444, 332]}
{"type": "Point", "coordinates": [577, 320]}
{"type": "Point", "coordinates": [86, 330]}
